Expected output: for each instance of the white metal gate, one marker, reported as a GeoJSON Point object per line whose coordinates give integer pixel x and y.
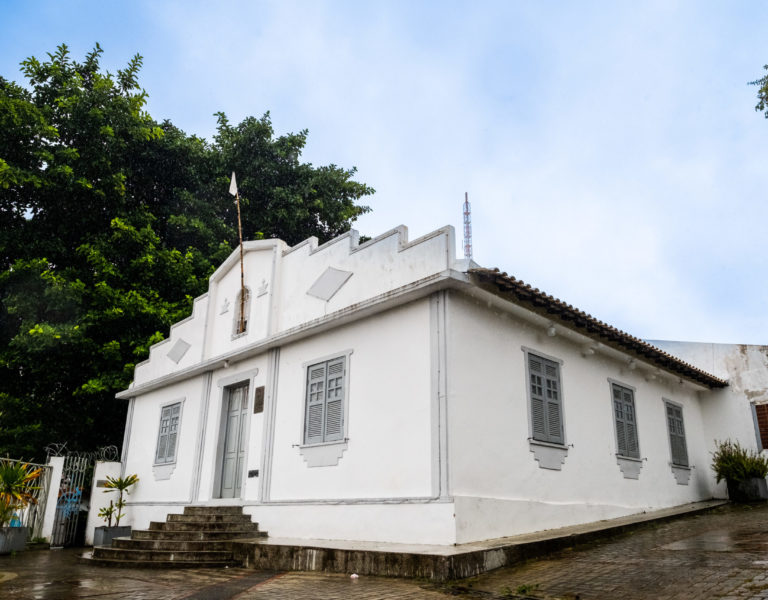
{"type": "Point", "coordinates": [70, 496]}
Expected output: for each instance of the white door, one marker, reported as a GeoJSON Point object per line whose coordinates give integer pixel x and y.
{"type": "Point", "coordinates": [233, 457]}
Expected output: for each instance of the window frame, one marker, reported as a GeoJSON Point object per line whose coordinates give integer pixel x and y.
{"type": "Point", "coordinates": [558, 363]}
{"type": "Point", "coordinates": [669, 404]}
{"type": "Point", "coordinates": [168, 405]}
{"type": "Point", "coordinates": [342, 438]}
{"type": "Point", "coordinates": [246, 309]}
{"type": "Point", "coordinates": [623, 387]}
{"type": "Point", "coordinates": [761, 425]}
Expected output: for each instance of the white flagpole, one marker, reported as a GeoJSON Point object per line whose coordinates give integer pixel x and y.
{"type": "Point", "coordinates": [234, 192]}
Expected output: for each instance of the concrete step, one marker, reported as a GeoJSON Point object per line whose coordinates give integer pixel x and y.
{"type": "Point", "coordinates": [162, 555]}
{"type": "Point", "coordinates": [201, 537]}
{"type": "Point", "coordinates": [203, 526]}
{"type": "Point", "coordinates": [208, 518]}
{"type": "Point", "coordinates": [213, 510]}
{"type": "Point", "coordinates": [172, 545]}
{"type": "Point", "coordinates": [156, 564]}
{"type": "Point", "coordinates": [162, 534]}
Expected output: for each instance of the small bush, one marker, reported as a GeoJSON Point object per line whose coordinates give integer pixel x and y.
{"type": "Point", "coordinates": [732, 462]}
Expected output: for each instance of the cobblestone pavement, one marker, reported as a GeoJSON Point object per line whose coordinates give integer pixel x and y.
{"type": "Point", "coordinates": [722, 554]}
{"type": "Point", "coordinates": [58, 575]}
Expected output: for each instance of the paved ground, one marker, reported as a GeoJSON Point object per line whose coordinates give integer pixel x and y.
{"type": "Point", "coordinates": [722, 554]}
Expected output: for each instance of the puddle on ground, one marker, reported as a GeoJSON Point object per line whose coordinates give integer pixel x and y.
{"type": "Point", "coordinates": [723, 541]}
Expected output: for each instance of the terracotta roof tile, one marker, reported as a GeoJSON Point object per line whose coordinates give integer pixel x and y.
{"type": "Point", "coordinates": [532, 298]}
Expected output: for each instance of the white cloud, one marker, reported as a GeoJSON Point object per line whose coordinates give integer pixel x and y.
{"type": "Point", "coordinates": [610, 150]}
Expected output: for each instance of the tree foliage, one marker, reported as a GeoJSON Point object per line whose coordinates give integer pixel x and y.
{"type": "Point", "coordinates": [110, 225]}
{"type": "Point", "coordinates": [762, 93]}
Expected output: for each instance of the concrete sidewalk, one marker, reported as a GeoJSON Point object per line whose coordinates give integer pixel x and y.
{"type": "Point", "coordinates": [722, 553]}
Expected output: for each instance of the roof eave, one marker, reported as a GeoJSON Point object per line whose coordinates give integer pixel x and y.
{"type": "Point", "coordinates": [533, 299]}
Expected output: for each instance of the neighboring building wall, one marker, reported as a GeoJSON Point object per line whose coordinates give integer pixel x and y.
{"type": "Point", "coordinates": [728, 412]}
{"type": "Point", "coordinates": [499, 487]}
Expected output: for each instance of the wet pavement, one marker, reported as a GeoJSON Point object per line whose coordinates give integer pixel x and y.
{"type": "Point", "coordinates": [721, 554]}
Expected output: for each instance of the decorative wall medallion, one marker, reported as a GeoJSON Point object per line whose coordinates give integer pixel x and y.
{"type": "Point", "coordinates": [178, 351]}
{"type": "Point", "coordinates": [329, 283]}
{"type": "Point", "coordinates": [262, 289]}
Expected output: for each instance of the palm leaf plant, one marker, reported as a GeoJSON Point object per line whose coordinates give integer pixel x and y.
{"type": "Point", "coordinates": [17, 483]}
{"type": "Point", "coordinates": [121, 485]}
{"type": "Point", "coordinates": [107, 513]}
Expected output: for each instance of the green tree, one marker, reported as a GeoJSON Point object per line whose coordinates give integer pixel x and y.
{"type": "Point", "coordinates": [280, 196]}
{"type": "Point", "coordinates": [762, 93]}
{"type": "Point", "coordinates": [110, 225]}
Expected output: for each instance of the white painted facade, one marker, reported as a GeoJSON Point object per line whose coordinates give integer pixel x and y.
{"type": "Point", "coordinates": [435, 442]}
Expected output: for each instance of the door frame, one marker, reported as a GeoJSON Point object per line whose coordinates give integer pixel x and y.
{"type": "Point", "coordinates": [224, 384]}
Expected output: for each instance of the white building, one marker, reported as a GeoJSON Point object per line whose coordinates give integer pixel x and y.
{"type": "Point", "coordinates": [387, 391]}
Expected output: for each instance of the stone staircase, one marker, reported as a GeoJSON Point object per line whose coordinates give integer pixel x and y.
{"type": "Point", "coordinates": [201, 537]}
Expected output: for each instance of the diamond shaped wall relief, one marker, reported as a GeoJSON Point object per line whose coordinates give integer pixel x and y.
{"type": "Point", "coordinates": [329, 283]}
{"type": "Point", "coordinates": [178, 351]}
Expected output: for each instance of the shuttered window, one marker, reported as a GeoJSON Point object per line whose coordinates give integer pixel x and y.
{"type": "Point", "coordinates": [626, 424]}
{"type": "Point", "coordinates": [761, 417]}
{"type": "Point", "coordinates": [324, 415]}
{"type": "Point", "coordinates": [168, 435]}
{"type": "Point", "coordinates": [546, 399]}
{"type": "Point", "coordinates": [676, 434]}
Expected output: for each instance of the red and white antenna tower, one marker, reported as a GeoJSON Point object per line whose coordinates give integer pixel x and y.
{"type": "Point", "coordinates": [467, 227]}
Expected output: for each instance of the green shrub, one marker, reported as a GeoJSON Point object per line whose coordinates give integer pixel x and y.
{"type": "Point", "coordinates": [732, 462]}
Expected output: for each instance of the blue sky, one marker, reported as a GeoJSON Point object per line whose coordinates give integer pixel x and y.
{"type": "Point", "coordinates": [610, 149]}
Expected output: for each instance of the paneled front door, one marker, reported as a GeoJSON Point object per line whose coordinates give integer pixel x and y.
{"type": "Point", "coordinates": [233, 456]}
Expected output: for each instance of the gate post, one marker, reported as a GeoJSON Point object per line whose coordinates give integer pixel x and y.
{"type": "Point", "coordinates": [57, 469]}
{"type": "Point", "coordinates": [99, 500]}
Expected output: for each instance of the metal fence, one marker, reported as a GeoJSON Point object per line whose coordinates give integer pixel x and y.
{"type": "Point", "coordinates": [31, 516]}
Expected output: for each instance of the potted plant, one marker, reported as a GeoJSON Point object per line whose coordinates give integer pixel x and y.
{"type": "Point", "coordinates": [744, 471]}
{"type": "Point", "coordinates": [17, 491]}
{"type": "Point", "coordinates": [104, 535]}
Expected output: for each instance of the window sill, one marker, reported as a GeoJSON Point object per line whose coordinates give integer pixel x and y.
{"type": "Point", "coordinates": [629, 466]}
{"type": "Point", "coordinates": [681, 473]}
{"type": "Point", "coordinates": [549, 455]}
{"type": "Point", "coordinates": [326, 454]}
{"type": "Point", "coordinates": [163, 471]}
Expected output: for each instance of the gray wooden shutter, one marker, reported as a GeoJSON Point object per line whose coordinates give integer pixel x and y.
{"type": "Point", "coordinates": [315, 410]}
{"type": "Point", "coordinates": [621, 429]}
{"type": "Point", "coordinates": [546, 401]}
{"type": "Point", "coordinates": [538, 410]}
{"type": "Point", "coordinates": [626, 424]}
{"type": "Point", "coordinates": [162, 437]}
{"type": "Point", "coordinates": [334, 405]}
{"type": "Point", "coordinates": [173, 433]}
{"type": "Point", "coordinates": [554, 412]}
{"type": "Point", "coordinates": [633, 449]}
{"type": "Point", "coordinates": [677, 435]}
